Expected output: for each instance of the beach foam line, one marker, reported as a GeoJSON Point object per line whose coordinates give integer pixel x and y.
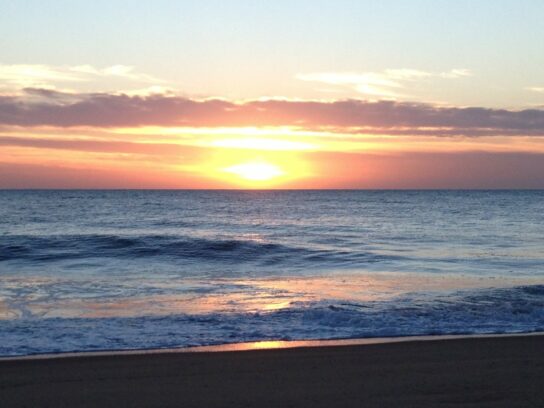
{"type": "Point", "coordinates": [265, 345]}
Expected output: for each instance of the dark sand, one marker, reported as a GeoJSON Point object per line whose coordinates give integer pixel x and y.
{"type": "Point", "coordinates": [481, 372]}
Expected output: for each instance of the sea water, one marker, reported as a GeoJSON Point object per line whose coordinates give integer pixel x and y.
{"type": "Point", "coordinates": [111, 270]}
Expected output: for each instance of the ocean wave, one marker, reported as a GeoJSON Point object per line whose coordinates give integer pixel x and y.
{"type": "Point", "coordinates": [507, 310]}
{"type": "Point", "coordinates": [63, 247]}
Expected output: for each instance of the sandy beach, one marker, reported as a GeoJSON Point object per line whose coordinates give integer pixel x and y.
{"type": "Point", "coordinates": [470, 372]}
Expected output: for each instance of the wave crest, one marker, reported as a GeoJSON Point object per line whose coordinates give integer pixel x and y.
{"type": "Point", "coordinates": [55, 248]}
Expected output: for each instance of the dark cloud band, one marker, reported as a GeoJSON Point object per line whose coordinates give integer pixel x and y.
{"type": "Point", "coordinates": [50, 108]}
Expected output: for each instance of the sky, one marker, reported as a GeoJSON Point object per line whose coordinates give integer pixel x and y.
{"type": "Point", "coordinates": [283, 94]}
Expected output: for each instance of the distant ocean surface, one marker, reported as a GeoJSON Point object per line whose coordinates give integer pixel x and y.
{"type": "Point", "coordinates": [111, 270]}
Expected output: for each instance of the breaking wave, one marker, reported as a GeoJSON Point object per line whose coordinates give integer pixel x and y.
{"type": "Point", "coordinates": [508, 310]}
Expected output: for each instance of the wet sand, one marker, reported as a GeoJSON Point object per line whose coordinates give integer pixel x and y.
{"type": "Point", "coordinates": [470, 372]}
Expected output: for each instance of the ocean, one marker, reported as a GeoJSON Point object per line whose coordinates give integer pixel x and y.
{"type": "Point", "coordinates": [117, 270]}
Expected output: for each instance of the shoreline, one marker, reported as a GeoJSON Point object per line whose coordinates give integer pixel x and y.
{"type": "Point", "coordinates": [265, 345]}
{"type": "Point", "coordinates": [490, 372]}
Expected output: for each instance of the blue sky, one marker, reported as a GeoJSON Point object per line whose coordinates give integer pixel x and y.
{"type": "Point", "coordinates": [249, 49]}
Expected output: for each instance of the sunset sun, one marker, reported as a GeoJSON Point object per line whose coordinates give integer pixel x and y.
{"type": "Point", "coordinates": [255, 171]}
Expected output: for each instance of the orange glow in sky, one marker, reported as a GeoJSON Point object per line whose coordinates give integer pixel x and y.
{"type": "Point", "coordinates": [169, 157]}
{"type": "Point", "coordinates": [274, 99]}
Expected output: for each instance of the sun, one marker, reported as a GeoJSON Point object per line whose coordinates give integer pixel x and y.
{"type": "Point", "coordinates": [255, 171]}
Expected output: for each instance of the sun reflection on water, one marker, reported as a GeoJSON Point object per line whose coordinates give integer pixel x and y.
{"type": "Point", "coordinates": [262, 295]}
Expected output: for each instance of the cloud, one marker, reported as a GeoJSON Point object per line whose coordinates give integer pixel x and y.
{"type": "Point", "coordinates": [390, 83]}
{"type": "Point", "coordinates": [102, 146]}
{"type": "Point", "coordinates": [455, 73]}
{"type": "Point", "coordinates": [371, 84]}
{"type": "Point", "coordinates": [59, 109]}
{"type": "Point", "coordinates": [49, 76]}
{"type": "Point", "coordinates": [539, 89]}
